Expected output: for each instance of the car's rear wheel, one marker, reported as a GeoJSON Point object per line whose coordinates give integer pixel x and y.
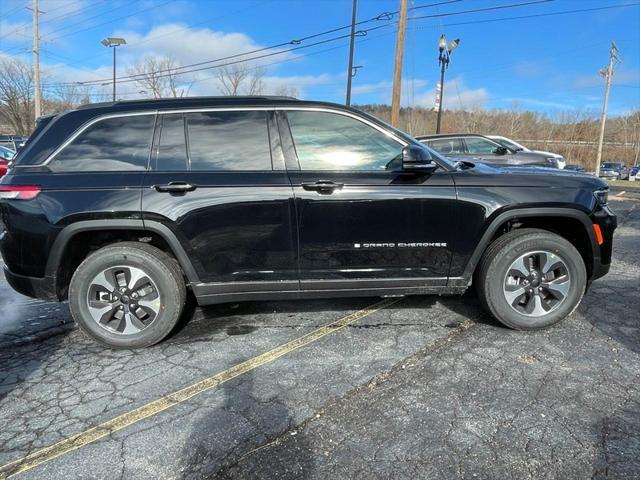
{"type": "Point", "coordinates": [127, 295]}
{"type": "Point", "coordinates": [530, 279]}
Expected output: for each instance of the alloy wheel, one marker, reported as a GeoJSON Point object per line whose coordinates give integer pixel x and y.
{"type": "Point", "coordinates": [123, 300]}
{"type": "Point", "coordinates": [537, 283]}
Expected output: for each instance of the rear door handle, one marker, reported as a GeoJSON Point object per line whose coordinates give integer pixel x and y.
{"type": "Point", "coordinates": [176, 187]}
{"type": "Point", "coordinates": [323, 186]}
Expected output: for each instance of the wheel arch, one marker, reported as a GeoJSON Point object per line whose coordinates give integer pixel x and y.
{"type": "Point", "coordinates": [75, 241]}
{"type": "Point", "coordinates": [569, 223]}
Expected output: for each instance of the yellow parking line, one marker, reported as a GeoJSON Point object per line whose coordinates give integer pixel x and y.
{"type": "Point", "coordinates": [153, 408]}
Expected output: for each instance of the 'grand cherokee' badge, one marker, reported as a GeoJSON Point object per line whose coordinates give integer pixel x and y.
{"type": "Point", "coordinates": [400, 245]}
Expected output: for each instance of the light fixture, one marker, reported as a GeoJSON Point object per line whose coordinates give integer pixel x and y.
{"type": "Point", "coordinates": [442, 44]}
{"type": "Point", "coordinates": [113, 41]}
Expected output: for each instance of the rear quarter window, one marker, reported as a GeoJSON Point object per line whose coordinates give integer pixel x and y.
{"type": "Point", "coordinates": [112, 144]}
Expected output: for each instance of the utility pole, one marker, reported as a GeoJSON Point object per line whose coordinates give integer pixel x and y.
{"type": "Point", "coordinates": [397, 71]}
{"type": "Point", "coordinates": [608, 74]}
{"type": "Point", "coordinates": [352, 41]}
{"type": "Point", "coordinates": [36, 62]}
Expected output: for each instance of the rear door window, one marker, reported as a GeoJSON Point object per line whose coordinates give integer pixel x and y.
{"type": "Point", "coordinates": [230, 140]}
{"type": "Point", "coordinates": [113, 144]}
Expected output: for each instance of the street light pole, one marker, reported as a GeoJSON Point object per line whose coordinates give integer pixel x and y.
{"type": "Point", "coordinates": [443, 60]}
{"type": "Point", "coordinates": [440, 93]}
{"type": "Point", "coordinates": [114, 42]}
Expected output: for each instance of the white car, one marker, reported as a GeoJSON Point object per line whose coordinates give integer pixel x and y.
{"type": "Point", "coordinates": [513, 145]}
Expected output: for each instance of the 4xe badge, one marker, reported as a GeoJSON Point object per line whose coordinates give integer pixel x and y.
{"type": "Point", "coordinates": [400, 245]}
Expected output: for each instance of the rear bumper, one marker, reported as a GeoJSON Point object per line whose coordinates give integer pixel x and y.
{"type": "Point", "coordinates": [41, 288]}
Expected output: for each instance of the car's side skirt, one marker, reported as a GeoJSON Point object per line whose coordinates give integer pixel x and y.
{"type": "Point", "coordinates": [209, 294]}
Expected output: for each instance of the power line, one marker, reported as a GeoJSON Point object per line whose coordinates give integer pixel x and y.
{"type": "Point", "coordinates": [155, 37]}
{"type": "Point", "coordinates": [128, 79]}
{"type": "Point", "coordinates": [551, 14]}
{"type": "Point", "coordinates": [103, 23]}
{"type": "Point", "coordinates": [381, 17]}
{"type": "Point", "coordinates": [478, 10]}
{"type": "Point", "coordinates": [384, 16]}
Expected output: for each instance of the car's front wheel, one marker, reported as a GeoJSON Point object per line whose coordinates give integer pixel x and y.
{"type": "Point", "coordinates": [530, 279]}
{"type": "Point", "coordinates": [127, 295]}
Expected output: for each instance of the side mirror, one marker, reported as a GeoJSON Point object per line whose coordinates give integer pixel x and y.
{"type": "Point", "coordinates": [501, 150]}
{"type": "Point", "coordinates": [418, 160]}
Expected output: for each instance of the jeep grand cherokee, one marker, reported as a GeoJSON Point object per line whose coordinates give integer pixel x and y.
{"type": "Point", "coordinates": [120, 208]}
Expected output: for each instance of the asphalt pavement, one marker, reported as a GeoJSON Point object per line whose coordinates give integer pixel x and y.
{"type": "Point", "coordinates": [420, 387]}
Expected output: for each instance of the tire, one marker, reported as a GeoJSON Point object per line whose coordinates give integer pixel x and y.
{"type": "Point", "coordinates": [538, 262]}
{"type": "Point", "coordinates": [106, 287]}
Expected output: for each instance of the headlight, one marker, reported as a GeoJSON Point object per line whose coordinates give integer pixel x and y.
{"type": "Point", "coordinates": [602, 196]}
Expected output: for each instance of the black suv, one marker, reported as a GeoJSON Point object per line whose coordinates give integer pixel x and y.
{"type": "Point", "coordinates": [475, 147]}
{"type": "Point", "coordinates": [123, 207]}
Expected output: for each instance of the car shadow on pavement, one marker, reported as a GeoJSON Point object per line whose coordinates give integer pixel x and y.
{"type": "Point", "coordinates": [246, 317]}
{"type": "Point", "coordinates": [249, 418]}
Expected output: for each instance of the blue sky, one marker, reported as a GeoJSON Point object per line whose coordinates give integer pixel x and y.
{"type": "Point", "coordinates": [547, 64]}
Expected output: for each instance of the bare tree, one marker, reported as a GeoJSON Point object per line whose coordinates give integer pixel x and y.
{"type": "Point", "coordinates": [157, 77]}
{"type": "Point", "coordinates": [16, 95]}
{"type": "Point", "coordinates": [240, 79]}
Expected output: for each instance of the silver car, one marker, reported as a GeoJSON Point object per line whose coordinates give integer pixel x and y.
{"type": "Point", "coordinates": [482, 149]}
{"type": "Point", "coordinates": [517, 147]}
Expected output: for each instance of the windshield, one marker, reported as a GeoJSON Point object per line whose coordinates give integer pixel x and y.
{"type": "Point", "coordinates": [611, 165]}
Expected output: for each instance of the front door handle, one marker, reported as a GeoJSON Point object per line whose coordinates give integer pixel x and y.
{"type": "Point", "coordinates": [323, 186]}
{"type": "Point", "coordinates": [176, 187]}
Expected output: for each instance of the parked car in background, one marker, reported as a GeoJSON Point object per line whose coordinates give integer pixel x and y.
{"type": "Point", "coordinates": [575, 168]}
{"type": "Point", "coordinates": [614, 171]}
{"type": "Point", "coordinates": [517, 147]}
{"type": "Point", "coordinates": [483, 149]}
{"type": "Point", "coordinates": [14, 142]}
{"type": "Point", "coordinates": [634, 171]}
{"type": "Point", "coordinates": [6, 155]}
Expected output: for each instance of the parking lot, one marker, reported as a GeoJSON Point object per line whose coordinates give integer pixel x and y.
{"type": "Point", "coordinates": [420, 387]}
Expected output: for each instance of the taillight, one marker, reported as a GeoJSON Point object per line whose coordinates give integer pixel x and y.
{"type": "Point", "coordinates": [19, 192]}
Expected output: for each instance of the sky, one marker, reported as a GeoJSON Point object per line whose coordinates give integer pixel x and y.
{"type": "Point", "coordinates": [547, 62]}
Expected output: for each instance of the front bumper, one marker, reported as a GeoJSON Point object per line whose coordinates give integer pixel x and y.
{"type": "Point", "coordinates": [608, 222]}
{"type": "Point", "coordinates": [41, 288]}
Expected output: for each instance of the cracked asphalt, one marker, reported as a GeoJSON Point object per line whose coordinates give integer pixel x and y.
{"type": "Point", "coordinates": [428, 387]}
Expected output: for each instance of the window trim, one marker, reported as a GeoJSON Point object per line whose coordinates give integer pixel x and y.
{"type": "Point", "coordinates": [273, 108]}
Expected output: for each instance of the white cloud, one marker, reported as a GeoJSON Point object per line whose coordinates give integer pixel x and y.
{"type": "Point", "coordinates": [456, 96]}
{"type": "Point", "coordinates": [188, 45]}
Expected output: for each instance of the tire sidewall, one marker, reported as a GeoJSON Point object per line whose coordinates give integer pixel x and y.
{"type": "Point", "coordinates": [167, 285]}
{"type": "Point", "coordinates": [520, 246]}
